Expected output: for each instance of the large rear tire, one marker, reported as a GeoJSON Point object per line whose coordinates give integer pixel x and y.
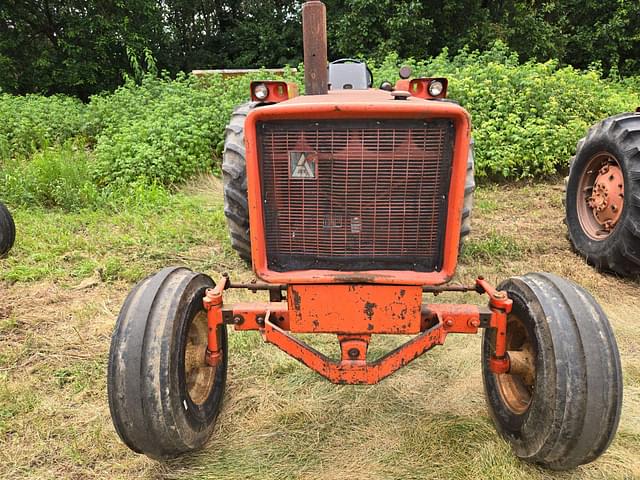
{"type": "Point", "coordinates": [563, 411]}
{"type": "Point", "coordinates": [7, 230]}
{"type": "Point", "coordinates": [163, 396]}
{"type": "Point", "coordinates": [602, 200]}
{"type": "Point", "coordinates": [469, 188]}
{"type": "Point", "coordinates": [234, 174]}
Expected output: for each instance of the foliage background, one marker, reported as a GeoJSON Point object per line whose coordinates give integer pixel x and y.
{"type": "Point", "coordinates": [157, 131]}
{"type": "Point", "coordinates": [82, 47]}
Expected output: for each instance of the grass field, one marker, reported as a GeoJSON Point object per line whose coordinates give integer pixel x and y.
{"type": "Point", "coordinates": [63, 284]}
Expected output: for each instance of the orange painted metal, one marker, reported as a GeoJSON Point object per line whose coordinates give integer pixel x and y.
{"type": "Point", "coordinates": [456, 318]}
{"type": "Point", "coordinates": [355, 308]}
{"type": "Point", "coordinates": [212, 302]}
{"type": "Point", "coordinates": [358, 105]}
{"type": "Point", "coordinates": [353, 371]}
{"type": "Point", "coordinates": [251, 315]}
{"type": "Point", "coordinates": [433, 322]}
{"type": "Point", "coordinates": [500, 305]}
{"type": "Point", "coordinates": [607, 196]}
{"type": "Point", "coordinates": [279, 91]}
{"type": "Point", "coordinates": [354, 347]}
{"type": "Point", "coordinates": [419, 87]}
{"type": "Point", "coordinates": [402, 84]}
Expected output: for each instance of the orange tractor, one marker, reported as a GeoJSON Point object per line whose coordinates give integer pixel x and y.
{"type": "Point", "coordinates": [351, 203]}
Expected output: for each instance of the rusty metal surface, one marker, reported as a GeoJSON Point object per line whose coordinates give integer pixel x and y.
{"type": "Point", "coordinates": [607, 196]}
{"type": "Point", "coordinates": [522, 363]}
{"type": "Point", "coordinates": [358, 105]}
{"type": "Point", "coordinates": [238, 72]}
{"type": "Point", "coordinates": [314, 28]}
{"type": "Point", "coordinates": [516, 385]}
{"type": "Point", "coordinates": [600, 196]}
{"type": "Point", "coordinates": [355, 309]}
{"type": "Point", "coordinates": [360, 195]}
{"type": "Point", "coordinates": [257, 286]}
{"type": "Point", "coordinates": [212, 303]}
{"type": "Point", "coordinates": [354, 370]}
{"type": "Point", "coordinates": [354, 313]}
{"type": "Point", "coordinates": [200, 375]}
{"type": "Point", "coordinates": [251, 315]}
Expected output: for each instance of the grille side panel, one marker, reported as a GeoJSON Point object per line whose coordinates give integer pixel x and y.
{"type": "Point", "coordinates": [354, 195]}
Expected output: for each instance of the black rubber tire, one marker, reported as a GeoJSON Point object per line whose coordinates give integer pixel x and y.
{"type": "Point", "coordinates": [234, 174]}
{"type": "Point", "coordinates": [149, 402]}
{"type": "Point", "coordinates": [469, 188]}
{"type": "Point", "coordinates": [619, 252]}
{"type": "Point", "coordinates": [577, 395]}
{"type": "Point", "coordinates": [7, 231]}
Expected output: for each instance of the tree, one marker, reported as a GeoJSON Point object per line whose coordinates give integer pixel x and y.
{"type": "Point", "coordinates": [76, 47]}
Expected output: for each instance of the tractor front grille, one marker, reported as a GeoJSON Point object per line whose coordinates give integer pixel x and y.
{"type": "Point", "coordinates": [354, 195]}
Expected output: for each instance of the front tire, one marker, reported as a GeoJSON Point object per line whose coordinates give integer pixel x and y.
{"type": "Point", "coordinates": [7, 230]}
{"type": "Point", "coordinates": [163, 397]}
{"type": "Point", "coordinates": [565, 411]}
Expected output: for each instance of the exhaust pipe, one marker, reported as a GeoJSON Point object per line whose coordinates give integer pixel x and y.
{"type": "Point", "coordinates": [314, 34]}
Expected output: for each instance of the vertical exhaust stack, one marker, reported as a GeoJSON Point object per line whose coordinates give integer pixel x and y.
{"type": "Point", "coordinates": [314, 32]}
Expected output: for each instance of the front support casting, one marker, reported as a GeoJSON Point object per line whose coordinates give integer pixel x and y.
{"type": "Point", "coordinates": [435, 322]}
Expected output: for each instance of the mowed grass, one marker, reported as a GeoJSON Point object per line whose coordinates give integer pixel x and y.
{"type": "Point", "coordinates": [62, 287]}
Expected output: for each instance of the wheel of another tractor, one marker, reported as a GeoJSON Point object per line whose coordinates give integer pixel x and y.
{"type": "Point", "coordinates": [7, 230]}
{"type": "Point", "coordinates": [234, 176]}
{"type": "Point", "coordinates": [559, 405]}
{"type": "Point", "coordinates": [163, 396]}
{"type": "Point", "coordinates": [602, 200]}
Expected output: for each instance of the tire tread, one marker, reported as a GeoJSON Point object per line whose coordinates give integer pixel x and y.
{"type": "Point", "coordinates": [7, 230]}
{"type": "Point", "coordinates": [619, 252]}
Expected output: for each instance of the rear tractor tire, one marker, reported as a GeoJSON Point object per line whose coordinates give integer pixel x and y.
{"type": "Point", "coordinates": [7, 231]}
{"type": "Point", "coordinates": [469, 188]}
{"type": "Point", "coordinates": [234, 174]}
{"type": "Point", "coordinates": [163, 396]}
{"type": "Point", "coordinates": [602, 200]}
{"type": "Point", "coordinates": [562, 409]}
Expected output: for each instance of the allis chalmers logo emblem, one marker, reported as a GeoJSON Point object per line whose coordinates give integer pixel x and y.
{"type": "Point", "coordinates": [303, 164]}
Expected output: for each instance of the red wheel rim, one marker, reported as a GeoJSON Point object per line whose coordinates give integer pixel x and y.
{"type": "Point", "coordinates": [600, 196]}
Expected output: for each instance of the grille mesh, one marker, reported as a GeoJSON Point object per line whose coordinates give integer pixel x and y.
{"type": "Point", "coordinates": [355, 195]}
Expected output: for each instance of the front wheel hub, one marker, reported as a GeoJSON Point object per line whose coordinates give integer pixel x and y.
{"type": "Point", "coordinates": [516, 386]}
{"type": "Point", "coordinates": [200, 376]}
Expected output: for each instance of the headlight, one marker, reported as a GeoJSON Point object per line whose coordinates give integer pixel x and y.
{"type": "Point", "coordinates": [435, 88]}
{"type": "Point", "coordinates": [261, 91]}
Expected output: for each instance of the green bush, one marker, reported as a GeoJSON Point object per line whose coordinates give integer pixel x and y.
{"type": "Point", "coordinates": [163, 130]}
{"type": "Point", "coordinates": [32, 122]}
{"type": "Point", "coordinates": [53, 177]}
{"type": "Point", "coordinates": [527, 118]}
